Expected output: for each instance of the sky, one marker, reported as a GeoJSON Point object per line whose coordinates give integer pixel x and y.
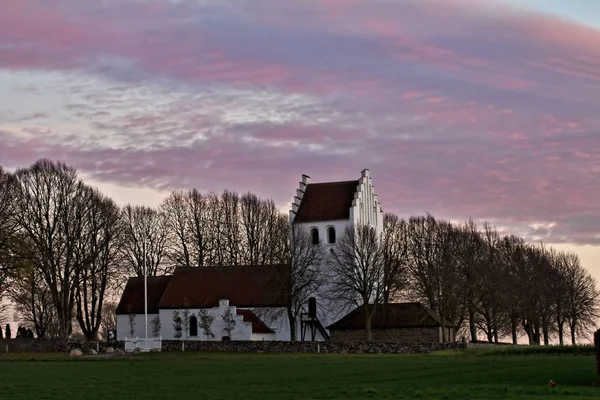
{"type": "Point", "coordinates": [462, 108]}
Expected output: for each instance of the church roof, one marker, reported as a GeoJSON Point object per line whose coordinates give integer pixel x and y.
{"type": "Point", "coordinates": [132, 299]}
{"type": "Point", "coordinates": [394, 315]}
{"type": "Point", "coordinates": [243, 286]}
{"type": "Point", "coordinates": [328, 201]}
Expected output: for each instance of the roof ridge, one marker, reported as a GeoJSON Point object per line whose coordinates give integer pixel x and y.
{"type": "Point", "coordinates": [330, 182]}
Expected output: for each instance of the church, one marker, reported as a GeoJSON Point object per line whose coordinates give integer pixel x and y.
{"type": "Point", "coordinates": [246, 302]}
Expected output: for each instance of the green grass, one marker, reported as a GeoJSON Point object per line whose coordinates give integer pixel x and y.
{"type": "Point", "coordinates": [444, 375]}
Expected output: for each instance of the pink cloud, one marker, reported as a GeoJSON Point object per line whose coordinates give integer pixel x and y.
{"type": "Point", "coordinates": [457, 108]}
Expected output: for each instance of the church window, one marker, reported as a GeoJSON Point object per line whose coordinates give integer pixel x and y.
{"type": "Point", "coordinates": [314, 234]}
{"type": "Point", "coordinates": [331, 234]}
{"type": "Point", "coordinates": [193, 326]}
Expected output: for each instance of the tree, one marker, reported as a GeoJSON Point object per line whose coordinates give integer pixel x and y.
{"type": "Point", "coordinates": [50, 209]}
{"type": "Point", "coordinates": [582, 298]}
{"type": "Point", "coordinates": [357, 271]}
{"type": "Point", "coordinates": [132, 324]}
{"type": "Point", "coordinates": [305, 277]}
{"type": "Point", "coordinates": [177, 322]}
{"type": "Point", "coordinates": [435, 275]}
{"type": "Point", "coordinates": [109, 318]}
{"type": "Point", "coordinates": [145, 235]}
{"type": "Point", "coordinates": [97, 254]}
{"type": "Point", "coordinates": [185, 321]}
{"type": "Point", "coordinates": [7, 331]}
{"type": "Point", "coordinates": [228, 321]}
{"type": "Point", "coordinates": [8, 225]}
{"type": "Point", "coordinates": [394, 245]}
{"type": "Point", "coordinates": [205, 323]}
{"type": "Point", "coordinates": [156, 325]}
{"type": "Point", "coordinates": [470, 256]}
{"type": "Point", "coordinates": [33, 300]}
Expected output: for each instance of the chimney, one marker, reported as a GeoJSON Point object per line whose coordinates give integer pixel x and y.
{"type": "Point", "coordinates": [365, 172]}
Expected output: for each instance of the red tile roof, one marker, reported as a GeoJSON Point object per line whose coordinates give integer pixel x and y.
{"type": "Point", "coordinates": [243, 286]}
{"type": "Point", "coordinates": [395, 315]}
{"type": "Point", "coordinates": [132, 299]}
{"type": "Point", "coordinates": [326, 201]}
{"type": "Point", "coordinates": [258, 326]}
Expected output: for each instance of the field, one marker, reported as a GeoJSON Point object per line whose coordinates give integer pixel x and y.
{"type": "Point", "coordinates": [447, 375]}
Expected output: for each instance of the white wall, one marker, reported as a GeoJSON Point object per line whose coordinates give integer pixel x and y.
{"type": "Point", "coordinates": [365, 210]}
{"type": "Point", "coordinates": [242, 330]}
{"type": "Point", "coordinates": [123, 328]}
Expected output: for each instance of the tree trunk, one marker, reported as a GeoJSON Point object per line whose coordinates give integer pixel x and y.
{"type": "Point", "coordinates": [561, 333]}
{"type": "Point", "coordinates": [292, 321]}
{"type": "Point", "coordinates": [513, 329]}
{"type": "Point", "coordinates": [472, 327]}
{"type": "Point", "coordinates": [572, 328]}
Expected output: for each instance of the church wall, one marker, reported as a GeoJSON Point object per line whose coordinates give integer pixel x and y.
{"type": "Point", "coordinates": [241, 331]}
{"type": "Point", "coordinates": [123, 328]}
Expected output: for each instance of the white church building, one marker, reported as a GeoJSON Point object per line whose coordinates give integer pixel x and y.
{"type": "Point", "coordinates": [250, 293]}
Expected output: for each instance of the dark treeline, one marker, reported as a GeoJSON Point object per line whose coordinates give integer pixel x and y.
{"type": "Point", "coordinates": [66, 250]}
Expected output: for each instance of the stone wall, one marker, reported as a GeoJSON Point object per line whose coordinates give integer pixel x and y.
{"type": "Point", "coordinates": [401, 335]}
{"type": "Point", "coordinates": [51, 345]}
{"type": "Point", "coordinates": [310, 347]}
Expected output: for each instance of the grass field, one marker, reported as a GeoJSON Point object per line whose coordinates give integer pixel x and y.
{"type": "Point", "coordinates": [448, 375]}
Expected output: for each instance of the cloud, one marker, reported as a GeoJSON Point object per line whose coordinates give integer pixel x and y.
{"type": "Point", "coordinates": [459, 108]}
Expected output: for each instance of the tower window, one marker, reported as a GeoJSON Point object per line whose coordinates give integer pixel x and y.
{"type": "Point", "coordinates": [331, 234]}
{"type": "Point", "coordinates": [314, 234]}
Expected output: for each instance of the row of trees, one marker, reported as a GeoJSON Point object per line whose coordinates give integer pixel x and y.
{"type": "Point", "coordinates": [65, 249]}
{"type": "Point", "coordinates": [473, 277]}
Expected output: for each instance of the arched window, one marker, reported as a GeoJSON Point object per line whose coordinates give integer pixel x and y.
{"type": "Point", "coordinates": [331, 234]}
{"type": "Point", "coordinates": [193, 326]}
{"type": "Point", "coordinates": [314, 234]}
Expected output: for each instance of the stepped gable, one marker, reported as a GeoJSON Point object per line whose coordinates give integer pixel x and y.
{"type": "Point", "coordinates": [258, 326]}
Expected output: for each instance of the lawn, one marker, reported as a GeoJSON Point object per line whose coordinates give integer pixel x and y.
{"type": "Point", "coordinates": [450, 375]}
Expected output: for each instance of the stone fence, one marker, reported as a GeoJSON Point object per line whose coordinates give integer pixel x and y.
{"type": "Point", "coordinates": [57, 345]}
{"type": "Point", "coordinates": [309, 347]}
{"type": "Point", "coordinates": [52, 346]}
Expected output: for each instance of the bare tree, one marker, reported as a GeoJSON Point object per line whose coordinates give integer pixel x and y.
{"type": "Point", "coordinates": [434, 268]}
{"type": "Point", "coordinates": [471, 251]}
{"type": "Point", "coordinates": [511, 257]}
{"type": "Point", "coordinates": [305, 260]}
{"type": "Point", "coordinates": [132, 324]}
{"type": "Point", "coordinates": [50, 208]}
{"type": "Point", "coordinates": [96, 253]}
{"type": "Point", "coordinates": [177, 324]}
{"type": "Point", "coordinates": [228, 321]}
{"type": "Point", "coordinates": [357, 271]}
{"type": "Point", "coordinates": [489, 300]}
{"type": "Point", "coordinates": [145, 234]}
{"type": "Point", "coordinates": [582, 298]}
{"type": "Point", "coordinates": [109, 318]}
{"type": "Point", "coordinates": [156, 326]}
{"type": "Point", "coordinates": [205, 323]}
{"type": "Point", "coordinates": [394, 247]}
{"type": "Point", "coordinates": [33, 301]}
{"type": "Point", "coordinates": [8, 224]}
